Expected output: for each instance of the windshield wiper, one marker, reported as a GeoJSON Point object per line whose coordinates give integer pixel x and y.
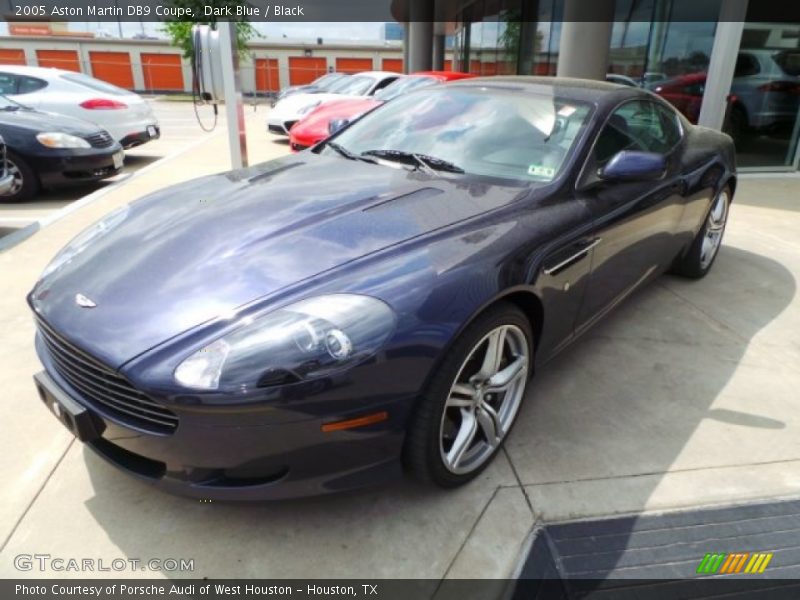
{"type": "Point", "coordinates": [346, 153]}
{"type": "Point", "coordinates": [430, 164]}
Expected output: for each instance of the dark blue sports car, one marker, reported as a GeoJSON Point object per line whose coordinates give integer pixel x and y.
{"type": "Point", "coordinates": [379, 301]}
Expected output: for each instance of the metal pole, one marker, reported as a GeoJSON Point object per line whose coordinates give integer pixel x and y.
{"type": "Point", "coordinates": [232, 85]}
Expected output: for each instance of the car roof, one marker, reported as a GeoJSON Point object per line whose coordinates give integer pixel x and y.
{"type": "Point", "coordinates": [26, 70]}
{"type": "Point", "coordinates": [589, 90]}
{"type": "Point", "coordinates": [378, 74]}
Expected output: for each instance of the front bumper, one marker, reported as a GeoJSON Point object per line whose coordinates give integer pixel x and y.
{"type": "Point", "coordinates": [62, 168]}
{"type": "Point", "coordinates": [239, 460]}
{"type": "Point", "coordinates": [151, 132]}
{"type": "Point", "coordinates": [280, 125]}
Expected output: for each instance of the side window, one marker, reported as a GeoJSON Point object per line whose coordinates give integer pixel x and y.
{"type": "Point", "coordinates": [746, 64]}
{"type": "Point", "coordinates": [383, 84]}
{"type": "Point", "coordinates": [30, 84]}
{"type": "Point", "coordinates": [671, 126]}
{"type": "Point", "coordinates": [8, 83]}
{"type": "Point", "coordinates": [636, 125]}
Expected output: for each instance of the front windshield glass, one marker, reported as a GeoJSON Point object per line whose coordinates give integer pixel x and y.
{"type": "Point", "coordinates": [475, 130]}
{"type": "Point", "coordinates": [328, 80]}
{"type": "Point", "coordinates": [355, 85]}
{"type": "Point", "coordinates": [403, 85]}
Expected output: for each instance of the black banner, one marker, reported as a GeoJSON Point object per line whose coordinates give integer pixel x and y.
{"type": "Point", "coordinates": [404, 589]}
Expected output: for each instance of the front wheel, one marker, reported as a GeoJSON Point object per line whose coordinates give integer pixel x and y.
{"type": "Point", "coordinates": [25, 183]}
{"type": "Point", "coordinates": [472, 401]}
{"type": "Point", "coordinates": [705, 247]}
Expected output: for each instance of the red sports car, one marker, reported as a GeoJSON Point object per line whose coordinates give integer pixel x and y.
{"type": "Point", "coordinates": [317, 125]}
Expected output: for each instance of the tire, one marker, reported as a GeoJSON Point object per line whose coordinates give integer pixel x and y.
{"type": "Point", "coordinates": [460, 399]}
{"type": "Point", "coordinates": [700, 257]}
{"type": "Point", "coordinates": [26, 183]}
{"type": "Point", "coordinates": [736, 125]}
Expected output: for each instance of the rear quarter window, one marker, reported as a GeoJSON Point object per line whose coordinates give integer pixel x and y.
{"type": "Point", "coordinates": [28, 85]}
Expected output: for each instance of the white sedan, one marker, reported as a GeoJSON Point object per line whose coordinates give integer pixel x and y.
{"type": "Point", "coordinates": [291, 109]}
{"type": "Point", "coordinates": [124, 114]}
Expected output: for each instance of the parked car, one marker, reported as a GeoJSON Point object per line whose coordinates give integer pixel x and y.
{"type": "Point", "coordinates": [124, 114]}
{"type": "Point", "coordinates": [6, 178]}
{"type": "Point", "coordinates": [320, 84]}
{"type": "Point", "coordinates": [765, 93]}
{"type": "Point", "coordinates": [323, 120]}
{"type": "Point", "coordinates": [290, 110]}
{"type": "Point", "coordinates": [621, 79]}
{"type": "Point", "coordinates": [44, 150]}
{"type": "Point", "coordinates": [312, 323]}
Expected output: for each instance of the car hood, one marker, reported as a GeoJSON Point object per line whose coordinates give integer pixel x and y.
{"type": "Point", "coordinates": [317, 121]}
{"type": "Point", "coordinates": [192, 252]}
{"type": "Point", "coordinates": [37, 121]}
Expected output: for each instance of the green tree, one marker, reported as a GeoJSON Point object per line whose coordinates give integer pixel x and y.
{"type": "Point", "coordinates": [180, 31]}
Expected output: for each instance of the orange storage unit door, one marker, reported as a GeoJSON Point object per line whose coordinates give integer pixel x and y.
{"type": "Point", "coordinates": [113, 67]}
{"type": "Point", "coordinates": [448, 65]}
{"type": "Point", "coordinates": [267, 75]}
{"type": "Point", "coordinates": [9, 56]}
{"type": "Point", "coordinates": [61, 59]}
{"type": "Point", "coordinates": [395, 65]}
{"type": "Point", "coordinates": [353, 65]}
{"type": "Point", "coordinates": [305, 69]}
{"type": "Point", "coordinates": [162, 72]}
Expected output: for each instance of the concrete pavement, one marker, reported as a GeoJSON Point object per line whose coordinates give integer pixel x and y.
{"type": "Point", "coordinates": [686, 396]}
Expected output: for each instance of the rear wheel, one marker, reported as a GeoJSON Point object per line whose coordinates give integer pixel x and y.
{"type": "Point", "coordinates": [25, 183]}
{"type": "Point", "coordinates": [703, 251]}
{"type": "Point", "coordinates": [472, 401]}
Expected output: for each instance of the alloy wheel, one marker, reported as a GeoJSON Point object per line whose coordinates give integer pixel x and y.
{"type": "Point", "coordinates": [715, 226]}
{"type": "Point", "coordinates": [484, 399]}
{"type": "Point", "coordinates": [17, 183]}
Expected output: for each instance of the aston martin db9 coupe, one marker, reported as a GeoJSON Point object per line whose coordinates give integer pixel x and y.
{"type": "Point", "coordinates": [380, 302]}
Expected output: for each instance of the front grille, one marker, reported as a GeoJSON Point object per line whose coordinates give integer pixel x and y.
{"type": "Point", "coordinates": [104, 387]}
{"type": "Point", "coordinates": [298, 147]}
{"type": "Point", "coordinates": [101, 139]}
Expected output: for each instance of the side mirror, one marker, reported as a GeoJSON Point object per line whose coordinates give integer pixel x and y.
{"type": "Point", "coordinates": [337, 125]}
{"type": "Point", "coordinates": [631, 165]}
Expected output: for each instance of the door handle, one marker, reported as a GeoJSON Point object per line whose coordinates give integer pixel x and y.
{"type": "Point", "coordinates": [584, 248]}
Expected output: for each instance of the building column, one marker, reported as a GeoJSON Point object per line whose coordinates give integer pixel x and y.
{"type": "Point", "coordinates": [722, 63]}
{"type": "Point", "coordinates": [420, 46]}
{"type": "Point", "coordinates": [438, 52]}
{"type": "Point", "coordinates": [420, 36]}
{"type": "Point", "coordinates": [584, 47]}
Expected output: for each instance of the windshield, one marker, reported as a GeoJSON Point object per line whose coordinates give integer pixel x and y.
{"type": "Point", "coordinates": [789, 61]}
{"type": "Point", "coordinates": [95, 84]}
{"type": "Point", "coordinates": [326, 81]}
{"type": "Point", "coordinates": [403, 85]}
{"type": "Point", "coordinates": [355, 85]}
{"type": "Point", "coordinates": [480, 131]}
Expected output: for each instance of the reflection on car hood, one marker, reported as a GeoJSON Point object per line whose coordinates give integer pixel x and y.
{"type": "Point", "coordinates": [189, 253]}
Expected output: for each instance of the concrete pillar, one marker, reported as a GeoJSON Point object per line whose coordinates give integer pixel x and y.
{"type": "Point", "coordinates": [405, 47]}
{"type": "Point", "coordinates": [420, 46]}
{"type": "Point", "coordinates": [420, 35]}
{"type": "Point", "coordinates": [438, 52]}
{"type": "Point", "coordinates": [584, 47]}
{"type": "Point", "coordinates": [722, 64]}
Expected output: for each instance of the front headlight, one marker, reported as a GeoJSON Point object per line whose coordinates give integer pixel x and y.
{"type": "Point", "coordinates": [83, 239]}
{"type": "Point", "coordinates": [309, 107]}
{"type": "Point", "coordinates": [56, 139]}
{"type": "Point", "coordinates": [308, 339]}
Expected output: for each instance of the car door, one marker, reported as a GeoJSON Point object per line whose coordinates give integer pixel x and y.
{"type": "Point", "coordinates": [635, 222]}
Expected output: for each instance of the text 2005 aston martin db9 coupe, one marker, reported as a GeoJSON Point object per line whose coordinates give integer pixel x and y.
{"type": "Point", "coordinates": [315, 322]}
